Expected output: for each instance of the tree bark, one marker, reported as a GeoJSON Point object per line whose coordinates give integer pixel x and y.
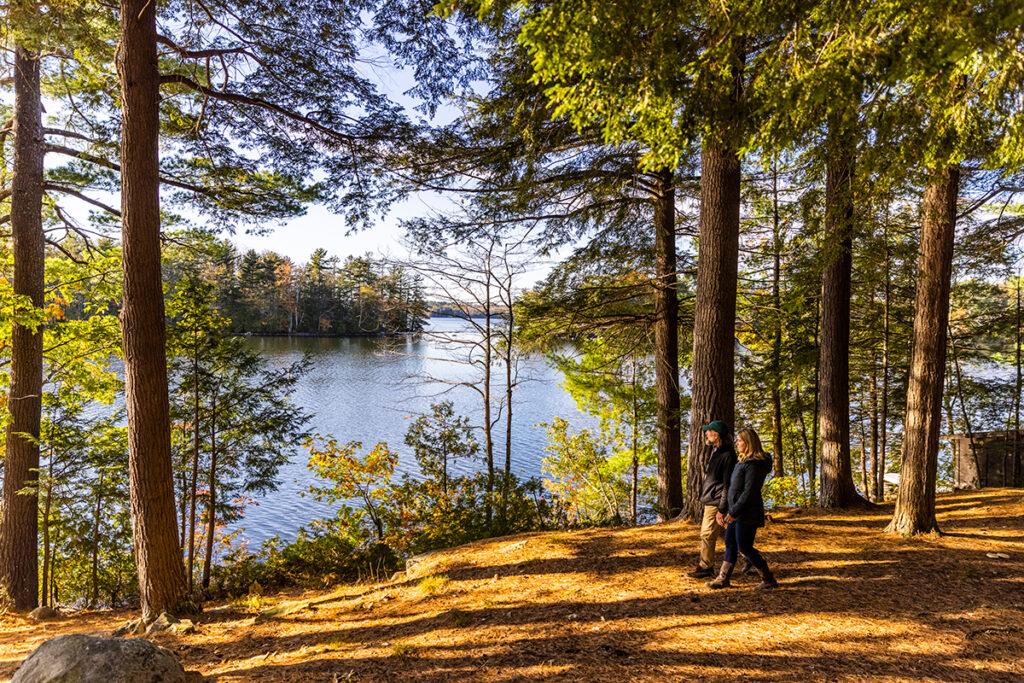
{"type": "Point", "coordinates": [666, 347]}
{"type": "Point", "coordinates": [488, 424]}
{"type": "Point", "coordinates": [776, 389]}
{"type": "Point", "coordinates": [1016, 398]}
{"type": "Point", "coordinates": [715, 311]}
{"type": "Point", "coordinates": [97, 511]}
{"type": "Point", "coordinates": [871, 487]}
{"type": "Point", "coordinates": [808, 458]}
{"type": "Point", "coordinates": [884, 419]}
{"type": "Point", "coordinates": [635, 441]}
{"type": "Point", "coordinates": [193, 485]}
{"type": "Point", "coordinates": [509, 387]}
{"type": "Point", "coordinates": [157, 553]}
{"type": "Point", "coordinates": [816, 423]}
{"type": "Point", "coordinates": [211, 507]}
{"type": "Point", "coordinates": [47, 508]}
{"type": "Point", "coordinates": [19, 513]}
{"type": "Point", "coordinates": [836, 489]}
{"type": "Point", "coordinates": [963, 411]}
{"type": "Point", "coordinates": [915, 498]}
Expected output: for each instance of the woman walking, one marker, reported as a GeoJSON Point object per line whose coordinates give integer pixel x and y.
{"type": "Point", "coordinates": [745, 510]}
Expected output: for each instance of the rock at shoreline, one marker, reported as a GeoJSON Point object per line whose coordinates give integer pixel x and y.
{"type": "Point", "coordinates": [78, 658]}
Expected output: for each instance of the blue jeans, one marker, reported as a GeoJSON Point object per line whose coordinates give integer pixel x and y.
{"type": "Point", "coordinates": [740, 536]}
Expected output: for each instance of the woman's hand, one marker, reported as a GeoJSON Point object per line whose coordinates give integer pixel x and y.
{"type": "Point", "coordinates": [720, 519]}
{"type": "Point", "coordinates": [729, 519]}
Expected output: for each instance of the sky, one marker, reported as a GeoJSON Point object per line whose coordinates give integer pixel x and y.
{"type": "Point", "coordinates": [298, 238]}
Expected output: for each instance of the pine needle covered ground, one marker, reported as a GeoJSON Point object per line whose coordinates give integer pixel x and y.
{"type": "Point", "coordinates": [613, 605]}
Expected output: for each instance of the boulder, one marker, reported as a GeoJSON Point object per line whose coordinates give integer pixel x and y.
{"type": "Point", "coordinates": [182, 627]}
{"type": "Point", "coordinates": [134, 627]}
{"type": "Point", "coordinates": [43, 613]}
{"type": "Point", "coordinates": [79, 658]}
{"type": "Point", "coordinates": [162, 623]}
{"type": "Point", "coordinates": [169, 622]}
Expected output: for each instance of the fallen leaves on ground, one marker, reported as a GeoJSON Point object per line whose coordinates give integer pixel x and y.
{"type": "Point", "coordinates": [854, 604]}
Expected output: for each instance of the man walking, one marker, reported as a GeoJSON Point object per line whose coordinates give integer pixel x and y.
{"type": "Point", "coordinates": [713, 494]}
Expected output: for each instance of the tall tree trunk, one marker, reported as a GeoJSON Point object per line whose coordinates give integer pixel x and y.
{"type": "Point", "coordinates": [194, 483]}
{"type": "Point", "coordinates": [157, 553]}
{"type": "Point", "coordinates": [488, 425]}
{"type": "Point", "coordinates": [635, 440]}
{"type": "Point", "coordinates": [776, 388]}
{"type": "Point", "coordinates": [884, 419]}
{"type": "Point", "coordinates": [509, 386]}
{"type": "Point", "coordinates": [47, 507]}
{"type": "Point", "coordinates": [19, 513]}
{"type": "Point", "coordinates": [183, 481]}
{"type": "Point", "coordinates": [871, 487]}
{"type": "Point", "coordinates": [808, 459]}
{"type": "Point", "coordinates": [715, 313]}
{"type": "Point", "coordinates": [96, 542]}
{"type": "Point", "coordinates": [863, 457]}
{"type": "Point", "coordinates": [837, 488]}
{"type": "Point", "coordinates": [915, 498]}
{"type": "Point", "coordinates": [51, 589]}
{"type": "Point", "coordinates": [211, 507]}
{"type": "Point", "coordinates": [666, 347]}
{"type": "Point", "coordinates": [1016, 397]}
{"type": "Point", "coordinates": [815, 423]}
{"type": "Point", "coordinates": [963, 411]}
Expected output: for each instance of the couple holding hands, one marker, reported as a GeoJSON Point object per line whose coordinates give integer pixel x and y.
{"type": "Point", "coordinates": [731, 495]}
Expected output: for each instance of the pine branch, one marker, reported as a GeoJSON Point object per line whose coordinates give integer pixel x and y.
{"type": "Point", "coordinates": [237, 98]}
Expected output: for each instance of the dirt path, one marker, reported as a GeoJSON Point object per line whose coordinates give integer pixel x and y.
{"type": "Point", "coordinates": [613, 605]}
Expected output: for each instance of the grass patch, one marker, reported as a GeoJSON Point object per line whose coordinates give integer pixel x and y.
{"type": "Point", "coordinates": [403, 650]}
{"type": "Point", "coordinates": [334, 644]}
{"type": "Point", "coordinates": [433, 584]}
{"type": "Point", "coordinates": [253, 602]}
{"type": "Point", "coordinates": [558, 539]}
{"type": "Point", "coordinates": [868, 548]}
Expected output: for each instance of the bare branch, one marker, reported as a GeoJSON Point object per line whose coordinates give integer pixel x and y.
{"type": "Point", "coordinates": [89, 200]}
{"type": "Point", "coordinates": [200, 54]}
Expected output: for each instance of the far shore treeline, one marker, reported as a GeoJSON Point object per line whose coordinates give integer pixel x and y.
{"type": "Point", "coordinates": [269, 294]}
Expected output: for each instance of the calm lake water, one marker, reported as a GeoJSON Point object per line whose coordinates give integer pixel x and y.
{"type": "Point", "coordinates": [359, 391]}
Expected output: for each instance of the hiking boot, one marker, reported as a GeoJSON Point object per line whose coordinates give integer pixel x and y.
{"type": "Point", "coordinates": [767, 579]}
{"type": "Point", "coordinates": [745, 566]}
{"type": "Point", "coordinates": [723, 577]}
{"type": "Point", "coordinates": [700, 572]}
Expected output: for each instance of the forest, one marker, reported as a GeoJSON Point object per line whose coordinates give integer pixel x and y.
{"type": "Point", "coordinates": [804, 218]}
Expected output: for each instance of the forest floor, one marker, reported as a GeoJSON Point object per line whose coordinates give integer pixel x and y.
{"type": "Point", "coordinates": [854, 604]}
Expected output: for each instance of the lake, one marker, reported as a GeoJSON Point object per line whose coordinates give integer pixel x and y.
{"type": "Point", "coordinates": [358, 390]}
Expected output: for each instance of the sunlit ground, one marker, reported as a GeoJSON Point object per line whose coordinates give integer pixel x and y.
{"type": "Point", "coordinates": [613, 605]}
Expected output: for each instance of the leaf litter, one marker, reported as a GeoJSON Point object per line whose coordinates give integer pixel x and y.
{"type": "Point", "coordinates": [854, 604]}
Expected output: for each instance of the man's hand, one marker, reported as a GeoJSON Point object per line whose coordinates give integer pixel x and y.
{"type": "Point", "coordinates": [729, 519]}
{"type": "Point", "coordinates": [720, 519]}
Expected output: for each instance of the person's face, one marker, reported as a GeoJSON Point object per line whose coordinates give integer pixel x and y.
{"type": "Point", "coordinates": [713, 438]}
{"type": "Point", "coordinates": [741, 445]}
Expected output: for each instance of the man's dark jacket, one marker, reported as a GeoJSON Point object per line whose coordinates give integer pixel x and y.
{"type": "Point", "coordinates": [717, 475]}
{"type": "Point", "coordinates": [745, 502]}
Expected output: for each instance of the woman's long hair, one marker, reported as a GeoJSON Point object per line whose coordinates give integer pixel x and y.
{"type": "Point", "coordinates": [753, 442]}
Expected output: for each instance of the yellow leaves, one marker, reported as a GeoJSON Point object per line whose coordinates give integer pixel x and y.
{"type": "Point", "coordinates": [54, 311]}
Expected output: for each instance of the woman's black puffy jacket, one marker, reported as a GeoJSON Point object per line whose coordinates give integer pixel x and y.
{"type": "Point", "coordinates": [745, 502]}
